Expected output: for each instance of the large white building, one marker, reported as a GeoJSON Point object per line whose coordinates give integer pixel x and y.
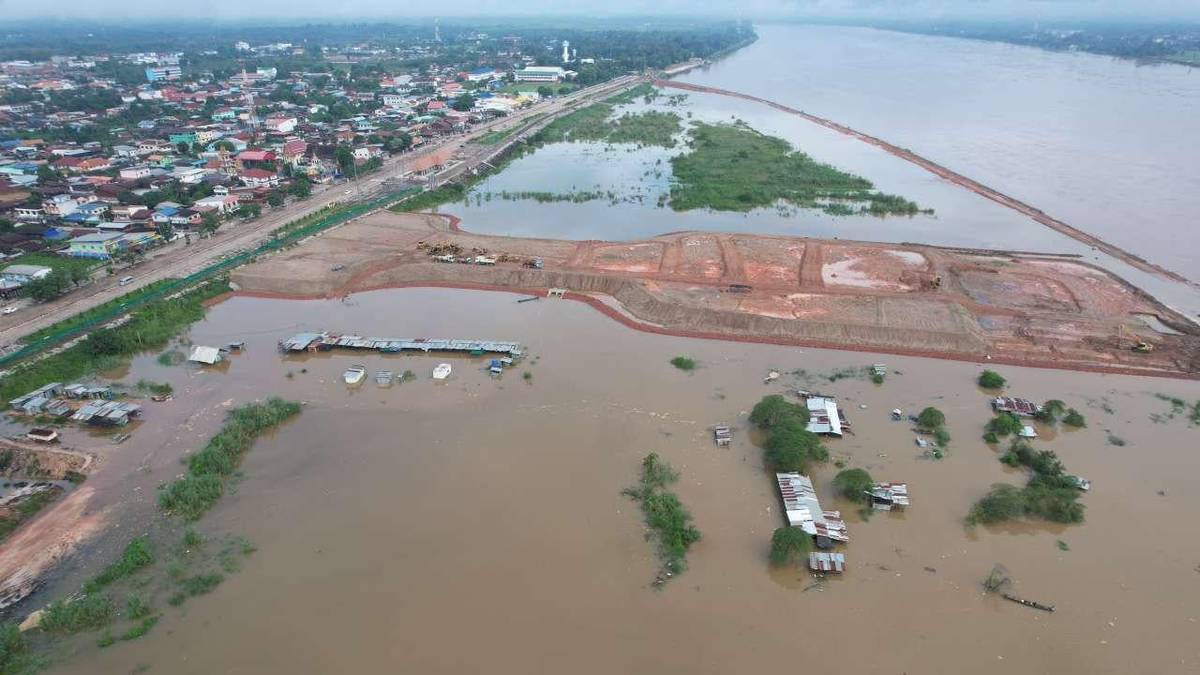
{"type": "Point", "coordinates": [541, 74]}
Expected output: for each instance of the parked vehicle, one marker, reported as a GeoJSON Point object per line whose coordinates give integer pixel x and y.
{"type": "Point", "coordinates": [125, 281]}
{"type": "Point", "coordinates": [11, 309]}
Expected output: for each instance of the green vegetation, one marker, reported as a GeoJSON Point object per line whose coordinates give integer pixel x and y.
{"type": "Point", "coordinates": [195, 585]}
{"type": "Point", "coordinates": [139, 629]}
{"type": "Point", "coordinates": [25, 509]}
{"type": "Point", "coordinates": [136, 608]}
{"type": "Point", "coordinates": [732, 167]}
{"type": "Point", "coordinates": [789, 446]}
{"type": "Point", "coordinates": [1062, 545]}
{"type": "Point", "coordinates": [596, 123]}
{"type": "Point", "coordinates": [1073, 418]}
{"type": "Point", "coordinates": [931, 418]}
{"type": "Point", "coordinates": [1003, 424]}
{"type": "Point", "coordinates": [136, 556]}
{"type": "Point", "coordinates": [207, 470]}
{"type": "Point", "coordinates": [74, 267]}
{"type": "Point", "coordinates": [789, 545]}
{"type": "Point", "coordinates": [684, 363]}
{"type": "Point", "coordinates": [14, 652]}
{"type": "Point", "coordinates": [154, 388]}
{"type": "Point", "coordinates": [644, 90]}
{"type": "Point", "coordinates": [1116, 440]}
{"type": "Point", "coordinates": [150, 327]}
{"type": "Point", "coordinates": [91, 612]}
{"type": "Point", "coordinates": [665, 514]}
{"type": "Point", "coordinates": [853, 484]}
{"type": "Point", "coordinates": [990, 379]}
{"type": "Point", "coordinates": [1051, 411]}
{"type": "Point", "coordinates": [1050, 493]}
{"type": "Point", "coordinates": [172, 357]}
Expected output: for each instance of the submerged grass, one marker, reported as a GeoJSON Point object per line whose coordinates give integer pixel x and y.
{"type": "Point", "coordinates": [732, 167]}
{"type": "Point", "coordinates": [136, 556]}
{"type": "Point", "coordinates": [207, 469]}
{"type": "Point", "coordinates": [665, 515]}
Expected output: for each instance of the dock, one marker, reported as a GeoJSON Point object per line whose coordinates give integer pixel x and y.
{"type": "Point", "coordinates": [321, 342]}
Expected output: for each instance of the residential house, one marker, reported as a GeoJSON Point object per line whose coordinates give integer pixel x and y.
{"type": "Point", "coordinates": [101, 245]}
{"type": "Point", "coordinates": [258, 178]}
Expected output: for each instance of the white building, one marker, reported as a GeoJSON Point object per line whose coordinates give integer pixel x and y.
{"type": "Point", "coordinates": [804, 511]}
{"type": "Point", "coordinates": [541, 74]}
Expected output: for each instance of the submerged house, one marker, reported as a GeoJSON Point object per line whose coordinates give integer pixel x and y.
{"type": "Point", "coordinates": [803, 510]}
{"type": "Point", "coordinates": [107, 413]}
{"type": "Point", "coordinates": [205, 355]}
{"type": "Point", "coordinates": [824, 416]}
{"type": "Point", "coordinates": [35, 401]}
{"type": "Point", "coordinates": [888, 496]}
{"type": "Point", "coordinates": [1016, 406]}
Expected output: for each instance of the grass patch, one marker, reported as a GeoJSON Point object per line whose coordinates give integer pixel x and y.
{"type": "Point", "coordinates": [171, 357]}
{"type": "Point", "coordinates": [665, 515]}
{"type": "Point", "coordinates": [684, 363]}
{"type": "Point", "coordinates": [597, 123]}
{"type": "Point", "coordinates": [136, 556]}
{"type": "Point", "coordinates": [139, 629]}
{"type": "Point", "coordinates": [91, 612]}
{"type": "Point", "coordinates": [56, 262]}
{"type": "Point", "coordinates": [154, 388]}
{"type": "Point", "coordinates": [732, 167]}
{"type": "Point", "coordinates": [207, 469]}
{"type": "Point", "coordinates": [190, 587]}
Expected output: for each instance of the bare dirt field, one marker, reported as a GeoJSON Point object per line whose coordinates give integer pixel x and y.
{"type": "Point", "coordinates": [1052, 311]}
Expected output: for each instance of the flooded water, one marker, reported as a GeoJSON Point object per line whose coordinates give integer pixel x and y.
{"type": "Point", "coordinates": [1107, 145]}
{"type": "Point", "coordinates": [477, 524]}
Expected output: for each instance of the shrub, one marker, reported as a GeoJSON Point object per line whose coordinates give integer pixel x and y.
{"type": "Point", "coordinates": [1074, 419]}
{"type": "Point", "coordinates": [665, 515]}
{"type": "Point", "coordinates": [684, 363]}
{"type": "Point", "coordinates": [853, 483]}
{"type": "Point", "coordinates": [773, 409]}
{"type": "Point", "coordinates": [1051, 411]}
{"type": "Point", "coordinates": [941, 436]}
{"type": "Point", "coordinates": [931, 418]}
{"type": "Point", "coordinates": [990, 379]}
{"type": "Point", "coordinates": [991, 437]}
{"type": "Point", "coordinates": [12, 648]}
{"type": "Point", "coordinates": [1004, 424]}
{"type": "Point", "coordinates": [1004, 502]}
{"type": "Point", "coordinates": [789, 544]}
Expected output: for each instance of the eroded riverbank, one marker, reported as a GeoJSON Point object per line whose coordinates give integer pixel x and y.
{"type": "Point", "coordinates": [392, 524]}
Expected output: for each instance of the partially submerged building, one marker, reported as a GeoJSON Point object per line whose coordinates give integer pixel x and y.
{"type": "Point", "coordinates": [35, 401]}
{"type": "Point", "coordinates": [824, 417]}
{"type": "Point", "coordinates": [206, 355]}
{"type": "Point", "coordinates": [107, 413]}
{"type": "Point", "coordinates": [1016, 406]}
{"type": "Point", "coordinates": [803, 510]}
{"type": "Point", "coordinates": [825, 562]}
{"type": "Point", "coordinates": [888, 496]}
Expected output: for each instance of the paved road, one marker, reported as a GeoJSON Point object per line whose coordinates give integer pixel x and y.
{"type": "Point", "coordinates": [177, 260]}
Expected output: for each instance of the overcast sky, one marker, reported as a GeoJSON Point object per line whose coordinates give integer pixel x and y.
{"type": "Point", "coordinates": [347, 10]}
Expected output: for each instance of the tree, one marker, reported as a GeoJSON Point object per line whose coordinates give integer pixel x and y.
{"type": "Point", "coordinates": [1074, 419]}
{"type": "Point", "coordinates": [79, 275]}
{"type": "Point", "coordinates": [545, 92]}
{"type": "Point", "coordinates": [1004, 502]}
{"type": "Point", "coordinates": [853, 484]}
{"type": "Point", "coordinates": [1051, 410]}
{"type": "Point", "coordinates": [789, 545]}
{"type": "Point", "coordinates": [165, 230]}
{"type": "Point", "coordinates": [771, 410]}
{"type": "Point", "coordinates": [49, 287]}
{"type": "Point", "coordinates": [990, 379]}
{"type": "Point", "coordinates": [791, 447]}
{"type": "Point", "coordinates": [276, 198]}
{"type": "Point", "coordinates": [182, 147]}
{"type": "Point", "coordinates": [463, 103]}
{"type": "Point", "coordinates": [47, 174]}
{"type": "Point", "coordinates": [1004, 424]}
{"type": "Point", "coordinates": [250, 211]}
{"type": "Point", "coordinates": [300, 188]}
{"type": "Point", "coordinates": [6, 225]}
{"type": "Point", "coordinates": [209, 223]}
{"type": "Point", "coordinates": [103, 342]}
{"type": "Point", "coordinates": [931, 418]}
{"type": "Point", "coordinates": [345, 158]}
{"type": "Point", "coordinates": [564, 90]}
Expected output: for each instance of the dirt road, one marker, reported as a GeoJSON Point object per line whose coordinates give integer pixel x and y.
{"type": "Point", "coordinates": [177, 260]}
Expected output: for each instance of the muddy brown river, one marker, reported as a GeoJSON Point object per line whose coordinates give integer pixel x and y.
{"type": "Point", "coordinates": [476, 525]}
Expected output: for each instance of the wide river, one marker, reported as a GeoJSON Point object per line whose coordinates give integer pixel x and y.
{"type": "Point", "coordinates": [476, 525]}
{"type": "Point", "coordinates": [1106, 145]}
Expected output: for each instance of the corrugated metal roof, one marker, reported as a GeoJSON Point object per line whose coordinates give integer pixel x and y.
{"type": "Point", "coordinates": [202, 354]}
{"type": "Point", "coordinates": [803, 510]}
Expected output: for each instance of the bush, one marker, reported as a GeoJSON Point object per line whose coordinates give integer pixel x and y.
{"type": "Point", "coordinates": [1074, 419]}
{"type": "Point", "coordinates": [941, 436]}
{"type": "Point", "coordinates": [853, 483]}
{"type": "Point", "coordinates": [931, 418]}
{"type": "Point", "coordinates": [990, 379]}
{"type": "Point", "coordinates": [665, 515]}
{"type": "Point", "coordinates": [788, 545]}
{"type": "Point", "coordinates": [1004, 424]}
{"type": "Point", "coordinates": [1051, 411]}
{"type": "Point", "coordinates": [790, 446]}
{"type": "Point", "coordinates": [683, 363]}
{"type": "Point", "coordinates": [12, 648]}
{"type": "Point", "coordinates": [991, 437]}
{"type": "Point", "coordinates": [1004, 502]}
{"type": "Point", "coordinates": [773, 409]}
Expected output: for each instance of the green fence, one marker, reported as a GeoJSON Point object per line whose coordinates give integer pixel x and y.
{"type": "Point", "coordinates": [284, 237]}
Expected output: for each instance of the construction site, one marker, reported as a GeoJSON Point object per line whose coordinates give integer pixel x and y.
{"type": "Point", "coordinates": [1020, 308]}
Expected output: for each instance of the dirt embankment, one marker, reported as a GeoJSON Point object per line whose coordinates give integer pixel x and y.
{"type": "Point", "coordinates": [39, 543]}
{"type": "Point", "coordinates": [942, 172]}
{"type": "Point", "coordinates": [1038, 310]}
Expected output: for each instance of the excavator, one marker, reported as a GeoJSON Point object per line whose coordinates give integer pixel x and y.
{"type": "Point", "coordinates": [1139, 346]}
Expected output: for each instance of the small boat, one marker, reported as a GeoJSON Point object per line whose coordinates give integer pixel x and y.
{"type": "Point", "coordinates": [383, 378]}
{"type": "Point", "coordinates": [495, 367]}
{"type": "Point", "coordinates": [42, 435]}
{"type": "Point", "coordinates": [354, 374]}
{"type": "Point", "coordinates": [161, 398]}
{"type": "Point", "coordinates": [1081, 483]}
{"type": "Point", "coordinates": [442, 371]}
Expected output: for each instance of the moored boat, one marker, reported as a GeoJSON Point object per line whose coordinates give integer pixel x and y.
{"type": "Point", "coordinates": [442, 371]}
{"type": "Point", "coordinates": [354, 374]}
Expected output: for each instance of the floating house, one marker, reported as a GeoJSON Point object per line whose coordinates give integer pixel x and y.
{"type": "Point", "coordinates": [824, 417]}
{"type": "Point", "coordinates": [826, 562]}
{"type": "Point", "coordinates": [803, 510]}
{"type": "Point", "coordinates": [888, 496]}
{"type": "Point", "coordinates": [1016, 406]}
